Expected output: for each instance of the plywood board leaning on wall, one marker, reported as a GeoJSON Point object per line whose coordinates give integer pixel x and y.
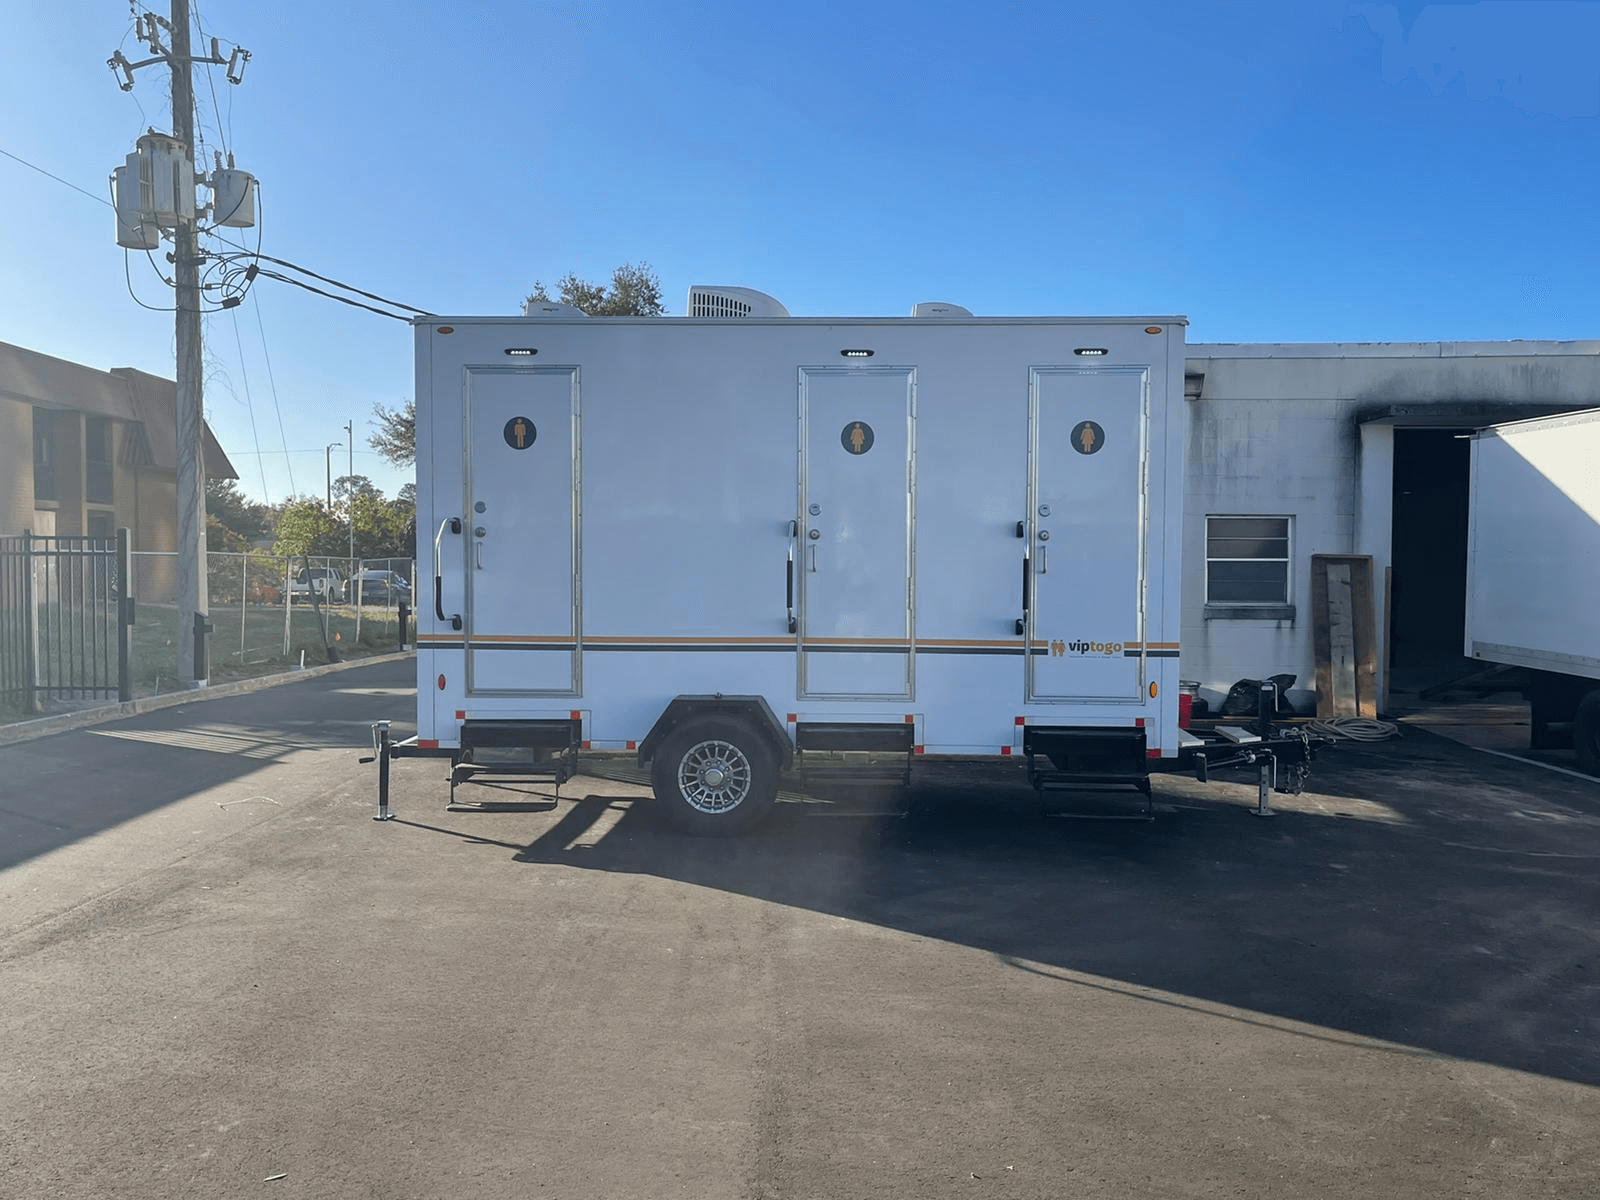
{"type": "Point", "coordinates": [1342, 635]}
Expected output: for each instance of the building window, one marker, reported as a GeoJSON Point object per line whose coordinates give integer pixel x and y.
{"type": "Point", "coordinates": [97, 460]}
{"type": "Point", "coordinates": [1247, 561]}
{"type": "Point", "coordinates": [44, 454]}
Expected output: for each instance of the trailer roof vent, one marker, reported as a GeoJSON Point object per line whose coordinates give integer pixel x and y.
{"type": "Point", "coordinates": [551, 308]}
{"type": "Point", "coordinates": [939, 308]}
{"type": "Point", "coordinates": [707, 301]}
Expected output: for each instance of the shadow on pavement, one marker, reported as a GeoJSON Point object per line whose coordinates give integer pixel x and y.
{"type": "Point", "coordinates": [1419, 894]}
{"type": "Point", "coordinates": [73, 785]}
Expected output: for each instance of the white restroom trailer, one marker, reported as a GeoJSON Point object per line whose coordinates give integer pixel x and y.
{"type": "Point", "coordinates": [739, 544]}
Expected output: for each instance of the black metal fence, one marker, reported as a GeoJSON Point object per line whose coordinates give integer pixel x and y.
{"type": "Point", "coordinates": [63, 639]}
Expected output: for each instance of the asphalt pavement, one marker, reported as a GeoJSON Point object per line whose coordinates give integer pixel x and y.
{"type": "Point", "coordinates": [220, 978]}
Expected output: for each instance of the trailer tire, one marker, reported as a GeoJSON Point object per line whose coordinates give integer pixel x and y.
{"type": "Point", "coordinates": [1586, 733]}
{"type": "Point", "coordinates": [715, 775]}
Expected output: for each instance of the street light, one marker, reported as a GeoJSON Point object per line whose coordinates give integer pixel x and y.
{"type": "Point", "coordinates": [327, 466]}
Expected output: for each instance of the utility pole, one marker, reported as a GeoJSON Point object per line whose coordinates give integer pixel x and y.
{"type": "Point", "coordinates": [154, 192]}
{"type": "Point", "coordinates": [193, 593]}
{"type": "Point", "coordinates": [350, 498]}
{"type": "Point", "coordinates": [327, 467]}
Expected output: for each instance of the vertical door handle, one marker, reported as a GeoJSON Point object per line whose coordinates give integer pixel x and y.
{"type": "Point", "coordinates": [453, 524]}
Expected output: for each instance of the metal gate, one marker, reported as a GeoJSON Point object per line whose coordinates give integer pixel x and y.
{"type": "Point", "coordinates": [63, 637]}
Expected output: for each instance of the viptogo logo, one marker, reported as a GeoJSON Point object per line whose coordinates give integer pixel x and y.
{"type": "Point", "coordinates": [1084, 649]}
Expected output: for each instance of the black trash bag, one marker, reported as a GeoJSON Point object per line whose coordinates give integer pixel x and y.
{"type": "Point", "coordinates": [1244, 697]}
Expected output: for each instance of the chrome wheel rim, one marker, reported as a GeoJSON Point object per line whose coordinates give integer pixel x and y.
{"type": "Point", "coordinates": [714, 776]}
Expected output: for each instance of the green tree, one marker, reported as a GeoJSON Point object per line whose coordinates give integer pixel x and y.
{"type": "Point", "coordinates": [360, 485]}
{"type": "Point", "coordinates": [395, 438]}
{"type": "Point", "coordinates": [230, 509]}
{"type": "Point", "coordinates": [634, 292]}
{"type": "Point", "coordinates": [307, 527]}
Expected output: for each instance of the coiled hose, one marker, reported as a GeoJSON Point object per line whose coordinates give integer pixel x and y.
{"type": "Point", "coordinates": [1354, 729]}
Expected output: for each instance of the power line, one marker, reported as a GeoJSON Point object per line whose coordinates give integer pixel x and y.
{"type": "Point", "coordinates": [58, 179]}
{"type": "Point", "coordinates": [250, 407]}
{"type": "Point", "coordinates": [283, 438]}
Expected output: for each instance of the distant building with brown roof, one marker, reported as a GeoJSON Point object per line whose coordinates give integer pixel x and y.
{"type": "Point", "coordinates": [84, 451]}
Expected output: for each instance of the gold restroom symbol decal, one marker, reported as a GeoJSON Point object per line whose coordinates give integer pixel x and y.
{"type": "Point", "coordinates": [1087, 437]}
{"type": "Point", "coordinates": [857, 437]}
{"type": "Point", "coordinates": [520, 433]}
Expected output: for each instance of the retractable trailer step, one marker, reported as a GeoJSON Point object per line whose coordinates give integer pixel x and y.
{"type": "Point", "coordinates": [500, 753]}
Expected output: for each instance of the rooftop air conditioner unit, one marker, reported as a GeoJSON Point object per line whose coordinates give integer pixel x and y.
{"type": "Point", "coordinates": [938, 308]}
{"type": "Point", "coordinates": [707, 301]}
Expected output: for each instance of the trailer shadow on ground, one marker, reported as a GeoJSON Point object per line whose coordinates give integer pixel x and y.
{"type": "Point", "coordinates": [1418, 893]}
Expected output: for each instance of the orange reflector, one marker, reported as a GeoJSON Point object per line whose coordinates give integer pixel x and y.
{"type": "Point", "coordinates": [1155, 689]}
{"type": "Point", "coordinates": [428, 743]}
{"type": "Point", "coordinates": [441, 683]}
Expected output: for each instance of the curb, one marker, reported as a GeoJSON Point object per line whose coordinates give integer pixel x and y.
{"type": "Point", "coordinates": [27, 731]}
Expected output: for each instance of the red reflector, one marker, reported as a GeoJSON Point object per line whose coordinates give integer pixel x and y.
{"type": "Point", "coordinates": [911, 718]}
{"type": "Point", "coordinates": [576, 715]}
{"type": "Point", "coordinates": [1020, 720]}
{"type": "Point", "coordinates": [461, 714]}
{"type": "Point", "coordinates": [633, 745]}
{"type": "Point", "coordinates": [585, 745]}
{"type": "Point", "coordinates": [1005, 751]}
{"type": "Point", "coordinates": [1152, 754]}
{"type": "Point", "coordinates": [793, 718]}
{"type": "Point", "coordinates": [1139, 721]}
{"type": "Point", "coordinates": [917, 750]}
{"type": "Point", "coordinates": [428, 743]}
{"type": "Point", "coordinates": [441, 683]}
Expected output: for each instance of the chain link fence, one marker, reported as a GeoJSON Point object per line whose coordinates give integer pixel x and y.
{"type": "Point", "coordinates": [269, 613]}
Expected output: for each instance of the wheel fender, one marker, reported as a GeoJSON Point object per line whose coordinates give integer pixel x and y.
{"type": "Point", "coordinates": [753, 709]}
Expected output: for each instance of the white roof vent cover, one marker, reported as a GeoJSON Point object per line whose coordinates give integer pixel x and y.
{"type": "Point", "coordinates": [707, 301]}
{"type": "Point", "coordinates": [551, 308]}
{"type": "Point", "coordinates": [939, 308]}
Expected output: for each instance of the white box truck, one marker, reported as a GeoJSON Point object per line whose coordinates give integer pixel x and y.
{"type": "Point", "coordinates": [738, 542]}
{"type": "Point", "coordinates": [1533, 568]}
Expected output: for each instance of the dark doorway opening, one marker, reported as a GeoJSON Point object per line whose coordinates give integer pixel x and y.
{"type": "Point", "coordinates": [1427, 604]}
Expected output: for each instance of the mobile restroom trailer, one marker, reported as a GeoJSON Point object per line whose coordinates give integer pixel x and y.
{"type": "Point", "coordinates": [735, 544]}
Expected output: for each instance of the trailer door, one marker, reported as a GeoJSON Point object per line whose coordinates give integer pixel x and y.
{"type": "Point", "coordinates": [522, 531]}
{"type": "Point", "coordinates": [1086, 465]}
{"type": "Point", "coordinates": [855, 532]}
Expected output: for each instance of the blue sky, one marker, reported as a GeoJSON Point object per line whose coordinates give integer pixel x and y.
{"type": "Point", "coordinates": [1310, 171]}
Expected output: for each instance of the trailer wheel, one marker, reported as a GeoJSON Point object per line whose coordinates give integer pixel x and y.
{"type": "Point", "coordinates": [1586, 733]}
{"type": "Point", "coordinates": [715, 775]}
